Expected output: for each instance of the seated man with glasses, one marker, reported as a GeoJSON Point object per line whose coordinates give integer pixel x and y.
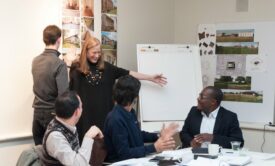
{"type": "Point", "coordinates": [209, 122]}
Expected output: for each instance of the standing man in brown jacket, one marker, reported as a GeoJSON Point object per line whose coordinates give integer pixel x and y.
{"type": "Point", "coordinates": [50, 79]}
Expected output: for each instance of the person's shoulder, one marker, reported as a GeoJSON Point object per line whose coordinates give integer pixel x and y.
{"type": "Point", "coordinates": [74, 69]}
{"type": "Point", "coordinates": [227, 112]}
{"type": "Point", "coordinates": [53, 136]}
{"type": "Point", "coordinates": [115, 115]}
{"type": "Point", "coordinates": [37, 57]}
{"type": "Point", "coordinates": [75, 66]}
{"type": "Point", "coordinates": [59, 61]}
{"type": "Point", "coordinates": [55, 133]}
{"type": "Point", "coordinates": [108, 65]}
{"type": "Point", "coordinates": [113, 119]}
{"type": "Point", "coordinates": [194, 109]}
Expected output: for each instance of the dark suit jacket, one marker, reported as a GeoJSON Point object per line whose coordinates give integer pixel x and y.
{"type": "Point", "coordinates": [226, 128]}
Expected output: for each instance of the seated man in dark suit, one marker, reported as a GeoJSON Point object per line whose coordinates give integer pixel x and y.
{"type": "Point", "coordinates": [210, 123]}
{"type": "Point", "coordinates": [123, 136]}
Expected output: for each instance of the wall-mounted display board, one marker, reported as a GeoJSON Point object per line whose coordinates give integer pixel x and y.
{"type": "Point", "coordinates": [239, 59]}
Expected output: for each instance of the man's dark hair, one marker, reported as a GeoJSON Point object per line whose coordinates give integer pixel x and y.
{"type": "Point", "coordinates": [50, 34]}
{"type": "Point", "coordinates": [66, 104]}
{"type": "Point", "coordinates": [126, 90]}
{"type": "Point", "coordinates": [216, 94]}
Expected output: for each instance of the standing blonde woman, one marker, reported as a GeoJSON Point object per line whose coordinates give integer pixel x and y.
{"type": "Point", "coordinates": [93, 79]}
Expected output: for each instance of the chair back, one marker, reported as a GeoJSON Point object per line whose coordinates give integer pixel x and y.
{"type": "Point", "coordinates": [99, 153]}
{"type": "Point", "coordinates": [29, 157]}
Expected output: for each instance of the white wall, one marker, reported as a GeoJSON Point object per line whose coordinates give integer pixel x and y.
{"type": "Point", "coordinates": [190, 13]}
{"type": "Point", "coordinates": [142, 22]}
{"type": "Point", "coordinates": [255, 137]}
{"type": "Point", "coordinates": [22, 23]}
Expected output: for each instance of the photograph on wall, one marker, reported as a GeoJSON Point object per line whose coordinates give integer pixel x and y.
{"type": "Point", "coordinates": [87, 27]}
{"type": "Point", "coordinates": [233, 82]}
{"type": "Point", "coordinates": [88, 23]}
{"type": "Point", "coordinates": [70, 23]}
{"type": "Point", "coordinates": [87, 8]}
{"type": "Point", "coordinates": [109, 40]}
{"type": "Point", "coordinates": [256, 63]}
{"type": "Point", "coordinates": [110, 56]}
{"type": "Point", "coordinates": [109, 23]}
{"type": "Point", "coordinates": [207, 39]}
{"type": "Point", "coordinates": [70, 46]}
{"type": "Point", "coordinates": [241, 35]}
{"type": "Point", "coordinates": [237, 48]}
{"type": "Point", "coordinates": [109, 6]}
{"type": "Point", "coordinates": [70, 8]}
{"type": "Point", "coordinates": [71, 38]}
{"type": "Point", "coordinates": [231, 65]}
{"type": "Point", "coordinates": [243, 96]}
{"type": "Point", "coordinates": [109, 30]}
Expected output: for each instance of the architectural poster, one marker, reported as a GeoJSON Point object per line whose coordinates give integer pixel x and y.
{"type": "Point", "coordinates": [97, 18]}
{"type": "Point", "coordinates": [230, 50]}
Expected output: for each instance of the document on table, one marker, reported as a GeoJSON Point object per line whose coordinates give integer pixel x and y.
{"type": "Point", "coordinates": [204, 161]}
{"type": "Point", "coordinates": [221, 161]}
{"type": "Point", "coordinates": [135, 162]}
{"type": "Point", "coordinates": [183, 155]}
{"type": "Point", "coordinates": [176, 154]}
{"type": "Point", "coordinates": [235, 160]}
{"type": "Point", "coordinates": [268, 156]}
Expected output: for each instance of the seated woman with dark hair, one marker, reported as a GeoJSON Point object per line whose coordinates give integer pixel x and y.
{"type": "Point", "coordinates": [123, 136]}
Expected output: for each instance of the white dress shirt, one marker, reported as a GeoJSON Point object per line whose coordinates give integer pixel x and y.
{"type": "Point", "coordinates": [208, 123]}
{"type": "Point", "coordinates": [58, 147]}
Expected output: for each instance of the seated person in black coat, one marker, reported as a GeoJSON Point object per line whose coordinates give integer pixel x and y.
{"type": "Point", "coordinates": [210, 123]}
{"type": "Point", "coordinates": [123, 136]}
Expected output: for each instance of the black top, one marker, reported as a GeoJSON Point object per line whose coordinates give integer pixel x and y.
{"type": "Point", "coordinates": [96, 95]}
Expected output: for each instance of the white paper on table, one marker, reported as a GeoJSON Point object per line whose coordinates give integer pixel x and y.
{"type": "Point", "coordinates": [134, 162]}
{"type": "Point", "coordinates": [236, 160]}
{"type": "Point", "coordinates": [268, 156]}
{"type": "Point", "coordinates": [204, 161]}
{"type": "Point", "coordinates": [176, 154]}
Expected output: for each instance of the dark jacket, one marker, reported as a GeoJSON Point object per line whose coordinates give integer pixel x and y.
{"type": "Point", "coordinates": [123, 137]}
{"type": "Point", "coordinates": [50, 79]}
{"type": "Point", "coordinates": [226, 128]}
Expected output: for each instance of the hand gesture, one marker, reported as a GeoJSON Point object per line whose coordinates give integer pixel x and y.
{"type": "Point", "coordinates": [159, 79]}
{"type": "Point", "coordinates": [169, 131]}
{"type": "Point", "coordinates": [94, 133]}
{"type": "Point", "coordinates": [195, 144]}
{"type": "Point", "coordinates": [164, 144]}
{"type": "Point", "coordinates": [204, 137]}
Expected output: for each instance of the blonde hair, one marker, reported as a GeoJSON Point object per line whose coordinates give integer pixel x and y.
{"type": "Point", "coordinates": [90, 42]}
